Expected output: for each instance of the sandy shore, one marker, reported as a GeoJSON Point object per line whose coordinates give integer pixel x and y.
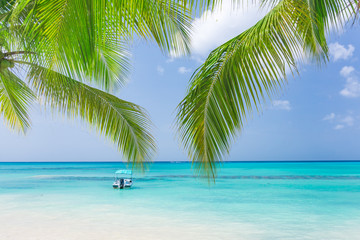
{"type": "Point", "coordinates": [41, 225]}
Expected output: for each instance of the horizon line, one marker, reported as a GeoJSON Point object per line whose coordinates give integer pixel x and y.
{"type": "Point", "coordinates": [244, 161]}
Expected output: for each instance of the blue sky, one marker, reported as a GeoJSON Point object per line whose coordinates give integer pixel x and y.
{"type": "Point", "coordinates": [317, 117]}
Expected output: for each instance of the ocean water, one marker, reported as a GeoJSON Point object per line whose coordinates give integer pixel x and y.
{"type": "Point", "coordinates": [250, 200]}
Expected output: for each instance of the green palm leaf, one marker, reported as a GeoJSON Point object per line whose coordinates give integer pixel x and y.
{"type": "Point", "coordinates": [15, 99]}
{"type": "Point", "coordinates": [88, 39]}
{"type": "Point", "coordinates": [123, 123]}
{"type": "Point", "coordinates": [315, 20]}
{"type": "Point", "coordinates": [241, 74]}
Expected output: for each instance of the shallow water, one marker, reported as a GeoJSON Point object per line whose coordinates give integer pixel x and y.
{"type": "Point", "coordinates": [277, 200]}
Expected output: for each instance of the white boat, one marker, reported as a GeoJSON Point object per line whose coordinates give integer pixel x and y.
{"type": "Point", "coordinates": [123, 179]}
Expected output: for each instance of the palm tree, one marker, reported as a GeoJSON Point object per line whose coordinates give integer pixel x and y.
{"type": "Point", "coordinates": [247, 71]}
{"type": "Point", "coordinates": [52, 50]}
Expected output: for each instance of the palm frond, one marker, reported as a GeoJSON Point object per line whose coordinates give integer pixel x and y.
{"type": "Point", "coordinates": [15, 99]}
{"type": "Point", "coordinates": [326, 13]}
{"type": "Point", "coordinates": [123, 123]}
{"type": "Point", "coordinates": [240, 76]}
{"type": "Point", "coordinates": [88, 39]}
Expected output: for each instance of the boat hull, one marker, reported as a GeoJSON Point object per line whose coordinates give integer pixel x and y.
{"type": "Point", "coordinates": [126, 183]}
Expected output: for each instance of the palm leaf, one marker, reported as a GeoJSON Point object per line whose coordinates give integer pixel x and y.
{"type": "Point", "coordinates": [15, 99]}
{"type": "Point", "coordinates": [123, 123]}
{"type": "Point", "coordinates": [241, 75]}
{"type": "Point", "coordinates": [88, 39]}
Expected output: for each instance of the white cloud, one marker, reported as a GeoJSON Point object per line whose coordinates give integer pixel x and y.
{"type": "Point", "coordinates": [329, 117]}
{"type": "Point", "coordinates": [346, 71]}
{"type": "Point", "coordinates": [352, 86]}
{"type": "Point", "coordinates": [160, 70]}
{"type": "Point", "coordinates": [215, 27]}
{"type": "Point", "coordinates": [282, 105]}
{"type": "Point", "coordinates": [338, 51]}
{"type": "Point", "coordinates": [341, 121]}
{"type": "Point", "coordinates": [348, 120]}
{"type": "Point", "coordinates": [184, 70]}
{"type": "Point", "coordinates": [339, 126]}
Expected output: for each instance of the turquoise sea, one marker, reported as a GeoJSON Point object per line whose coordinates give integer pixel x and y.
{"type": "Point", "coordinates": [250, 200]}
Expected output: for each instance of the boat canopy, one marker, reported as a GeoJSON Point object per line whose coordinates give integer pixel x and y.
{"type": "Point", "coordinates": [124, 171]}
